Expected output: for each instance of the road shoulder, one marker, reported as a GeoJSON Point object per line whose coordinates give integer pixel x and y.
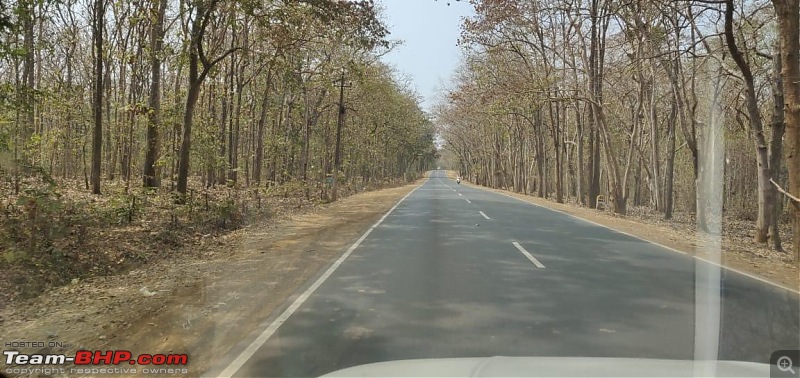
{"type": "Point", "coordinates": [204, 304]}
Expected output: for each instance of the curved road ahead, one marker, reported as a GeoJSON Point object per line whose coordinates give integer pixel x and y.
{"type": "Point", "coordinates": [457, 271]}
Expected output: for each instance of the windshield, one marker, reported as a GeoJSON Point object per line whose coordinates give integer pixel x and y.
{"type": "Point", "coordinates": [291, 188]}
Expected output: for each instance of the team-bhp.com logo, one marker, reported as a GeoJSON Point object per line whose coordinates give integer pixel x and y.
{"type": "Point", "coordinates": [86, 362]}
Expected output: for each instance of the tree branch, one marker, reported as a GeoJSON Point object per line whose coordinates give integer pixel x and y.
{"type": "Point", "coordinates": [795, 200]}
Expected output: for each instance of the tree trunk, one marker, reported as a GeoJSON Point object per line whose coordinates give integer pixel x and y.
{"type": "Point", "coordinates": [598, 27]}
{"type": "Point", "coordinates": [776, 147]}
{"type": "Point", "coordinates": [337, 157]}
{"type": "Point", "coordinates": [580, 173]}
{"type": "Point", "coordinates": [211, 169]}
{"type": "Point", "coordinates": [222, 175]}
{"type": "Point", "coordinates": [152, 177]}
{"type": "Point", "coordinates": [678, 114]}
{"type": "Point", "coordinates": [788, 13]}
{"type": "Point", "coordinates": [28, 69]}
{"type": "Point", "coordinates": [188, 117]}
{"type": "Point", "coordinates": [541, 190]}
{"type": "Point", "coordinates": [97, 138]}
{"type": "Point", "coordinates": [195, 81]}
{"type": "Point", "coordinates": [594, 163]}
{"type": "Point", "coordinates": [67, 166]}
{"type": "Point", "coordinates": [765, 197]}
{"type": "Point", "coordinates": [262, 120]}
{"type": "Point", "coordinates": [555, 119]}
{"type": "Point", "coordinates": [233, 175]}
{"type": "Point", "coordinates": [112, 150]}
{"type": "Point", "coordinates": [655, 148]}
{"type": "Point", "coordinates": [669, 168]}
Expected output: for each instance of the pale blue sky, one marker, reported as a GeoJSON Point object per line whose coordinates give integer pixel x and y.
{"type": "Point", "coordinates": [429, 30]}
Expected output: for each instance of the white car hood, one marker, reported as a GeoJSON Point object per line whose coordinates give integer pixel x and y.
{"type": "Point", "coordinates": [554, 367]}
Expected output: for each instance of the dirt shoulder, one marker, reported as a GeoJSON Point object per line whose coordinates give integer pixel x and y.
{"type": "Point", "coordinates": [202, 304]}
{"type": "Point", "coordinates": [738, 250]}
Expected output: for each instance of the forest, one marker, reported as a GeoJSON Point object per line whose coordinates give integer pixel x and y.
{"type": "Point", "coordinates": [623, 101]}
{"type": "Point", "coordinates": [141, 122]}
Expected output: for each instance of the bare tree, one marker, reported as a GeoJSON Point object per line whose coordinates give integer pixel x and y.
{"type": "Point", "coordinates": [764, 152]}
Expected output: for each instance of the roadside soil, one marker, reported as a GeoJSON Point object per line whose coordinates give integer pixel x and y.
{"type": "Point", "coordinates": [738, 251]}
{"type": "Point", "coordinates": [200, 304]}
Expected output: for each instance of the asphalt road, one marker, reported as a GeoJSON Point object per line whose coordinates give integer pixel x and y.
{"type": "Point", "coordinates": [456, 271]}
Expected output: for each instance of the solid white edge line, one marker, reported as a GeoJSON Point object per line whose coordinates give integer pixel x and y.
{"type": "Point", "coordinates": [251, 349]}
{"type": "Point", "coordinates": [484, 215]}
{"type": "Point", "coordinates": [529, 256]}
{"type": "Point", "coordinates": [757, 278]}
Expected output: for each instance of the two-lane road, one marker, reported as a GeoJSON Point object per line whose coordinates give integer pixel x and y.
{"type": "Point", "coordinates": [456, 271]}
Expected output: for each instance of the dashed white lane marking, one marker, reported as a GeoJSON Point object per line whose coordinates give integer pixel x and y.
{"type": "Point", "coordinates": [529, 256]}
{"type": "Point", "coordinates": [459, 194]}
{"type": "Point", "coordinates": [757, 278]}
{"type": "Point", "coordinates": [484, 215]}
{"type": "Point", "coordinates": [467, 199]}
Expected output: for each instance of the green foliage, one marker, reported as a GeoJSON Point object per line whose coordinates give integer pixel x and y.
{"type": "Point", "coordinates": [5, 141]}
{"type": "Point", "coordinates": [122, 209]}
{"type": "Point", "coordinates": [226, 214]}
{"type": "Point", "coordinates": [36, 218]}
{"type": "Point", "coordinates": [285, 57]}
{"type": "Point", "coordinates": [39, 231]}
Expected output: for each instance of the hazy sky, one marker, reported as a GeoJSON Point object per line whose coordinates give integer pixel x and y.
{"type": "Point", "coordinates": [429, 30]}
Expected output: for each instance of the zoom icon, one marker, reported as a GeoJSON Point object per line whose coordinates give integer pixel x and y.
{"type": "Point", "coordinates": [785, 363]}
